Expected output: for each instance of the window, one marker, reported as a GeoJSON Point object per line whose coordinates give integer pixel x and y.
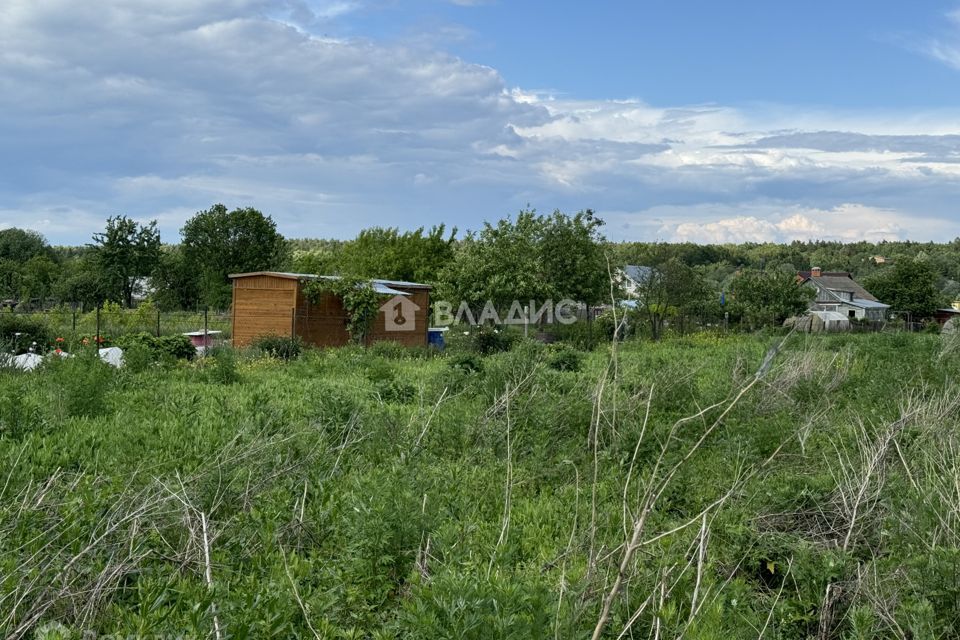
{"type": "Point", "coordinates": [852, 313]}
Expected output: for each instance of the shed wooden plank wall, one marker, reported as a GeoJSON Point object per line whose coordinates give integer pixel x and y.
{"type": "Point", "coordinates": [415, 338]}
{"type": "Point", "coordinates": [262, 305]}
{"type": "Point", "coordinates": [272, 305]}
{"type": "Point", "coordinates": [323, 324]}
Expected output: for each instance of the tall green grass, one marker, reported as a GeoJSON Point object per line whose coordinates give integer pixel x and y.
{"type": "Point", "coordinates": [386, 493]}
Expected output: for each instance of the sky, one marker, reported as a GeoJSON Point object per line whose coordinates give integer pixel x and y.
{"type": "Point", "coordinates": [680, 120]}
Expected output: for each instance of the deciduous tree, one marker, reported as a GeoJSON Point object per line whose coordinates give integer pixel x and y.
{"type": "Point", "coordinates": [908, 286]}
{"type": "Point", "coordinates": [125, 252]}
{"type": "Point", "coordinates": [217, 242]}
{"type": "Point", "coordinates": [768, 297]}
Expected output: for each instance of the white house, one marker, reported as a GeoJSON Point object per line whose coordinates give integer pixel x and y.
{"type": "Point", "coordinates": [632, 277]}
{"type": "Point", "coordinates": [838, 291]}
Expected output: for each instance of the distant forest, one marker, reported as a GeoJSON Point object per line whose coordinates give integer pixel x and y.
{"type": "Point", "coordinates": [524, 255]}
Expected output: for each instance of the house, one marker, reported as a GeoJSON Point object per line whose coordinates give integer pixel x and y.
{"type": "Point", "coordinates": [632, 277]}
{"type": "Point", "coordinates": [274, 303]}
{"type": "Point", "coordinates": [838, 291]}
{"type": "Point", "coordinates": [942, 316]}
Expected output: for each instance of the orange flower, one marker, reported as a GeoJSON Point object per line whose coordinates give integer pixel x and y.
{"type": "Point", "coordinates": [59, 339]}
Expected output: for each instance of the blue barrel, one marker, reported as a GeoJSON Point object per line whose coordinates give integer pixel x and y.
{"type": "Point", "coordinates": [435, 338]}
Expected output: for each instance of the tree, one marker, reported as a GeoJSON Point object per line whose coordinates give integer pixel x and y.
{"type": "Point", "coordinates": [910, 286]}
{"type": "Point", "coordinates": [768, 297]}
{"type": "Point", "coordinates": [174, 281]}
{"type": "Point", "coordinates": [126, 252]}
{"type": "Point", "coordinates": [533, 258]}
{"type": "Point", "coordinates": [217, 242]}
{"type": "Point", "coordinates": [500, 264]}
{"type": "Point", "coordinates": [19, 245]}
{"type": "Point", "coordinates": [669, 289]}
{"type": "Point", "coordinates": [387, 253]}
{"type": "Point", "coordinates": [81, 281]}
{"type": "Point", "coordinates": [572, 254]}
{"type": "Point", "coordinates": [27, 265]}
{"type": "Point", "coordinates": [39, 274]}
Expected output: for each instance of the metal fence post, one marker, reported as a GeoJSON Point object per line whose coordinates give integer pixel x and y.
{"type": "Point", "coordinates": [98, 327]}
{"type": "Point", "coordinates": [206, 311]}
{"type": "Point", "coordinates": [158, 323]}
{"type": "Point", "coordinates": [74, 317]}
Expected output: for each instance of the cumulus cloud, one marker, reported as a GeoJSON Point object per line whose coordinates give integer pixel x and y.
{"type": "Point", "coordinates": [160, 109]}
{"type": "Point", "coordinates": [847, 222]}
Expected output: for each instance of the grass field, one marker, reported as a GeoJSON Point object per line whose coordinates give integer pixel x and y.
{"type": "Point", "coordinates": [661, 490]}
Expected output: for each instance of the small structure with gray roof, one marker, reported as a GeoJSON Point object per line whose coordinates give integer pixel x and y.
{"type": "Point", "coordinates": [837, 291]}
{"type": "Point", "coordinates": [274, 303]}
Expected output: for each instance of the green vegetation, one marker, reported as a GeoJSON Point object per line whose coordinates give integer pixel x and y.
{"type": "Point", "coordinates": [704, 486]}
{"type": "Point", "coordinates": [519, 258]}
{"type": "Point", "coordinates": [360, 301]}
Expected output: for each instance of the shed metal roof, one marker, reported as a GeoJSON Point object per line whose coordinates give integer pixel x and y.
{"type": "Point", "coordinates": [378, 283]}
{"type": "Point", "coordinates": [868, 304]}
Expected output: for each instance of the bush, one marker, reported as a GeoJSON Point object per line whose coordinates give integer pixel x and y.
{"type": "Point", "coordinates": [18, 415]}
{"type": "Point", "coordinates": [395, 391]}
{"type": "Point", "coordinates": [486, 341]}
{"type": "Point", "coordinates": [280, 347]}
{"type": "Point", "coordinates": [390, 350]}
{"type": "Point", "coordinates": [137, 358]}
{"type": "Point", "coordinates": [220, 366]}
{"type": "Point", "coordinates": [466, 363]}
{"type": "Point", "coordinates": [176, 347]}
{"type": "Point", "coordinates": [81, 383]}
{"type": "Point", "coordinates": [32, 330]}
{"type": "Point", "coordinates": [565, 358]}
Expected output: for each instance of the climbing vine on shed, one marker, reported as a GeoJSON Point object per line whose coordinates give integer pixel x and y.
{"type": "Point", "coordinates": [360, 301]}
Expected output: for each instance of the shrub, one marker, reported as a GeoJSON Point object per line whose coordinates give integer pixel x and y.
{"type": "Point", "coordinates": [18, 415]}
{"type": "Point", "coordinates": [137, 358]}
{"type": "Point", "coordinates": [176, 346]}
{"type": "Point", "coordinates": [220, 366]}
{"type": "Point", "coordinates": [81, 383]}
{"type": "Point", "coordinates": [565, 358]}
{"type": "Point", "coordinates": [31, 330]}
{"type": "Point", "coordinates": [466, 362]}
{"type": "Point", "coordinates": [396, 391]}
{"type": "Point", "coordinates": [487, 340]}
{"type": "Point", "coordinates": [390, 350]}
{"type": "Point", "coordinates": [280, 347]}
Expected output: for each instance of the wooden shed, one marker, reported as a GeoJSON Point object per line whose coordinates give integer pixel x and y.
{"type": "Point", "coordinates": [273, 303]}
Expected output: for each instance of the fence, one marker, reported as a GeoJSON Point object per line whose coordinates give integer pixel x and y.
{"type": "Point", "coordinates": [109, 323]}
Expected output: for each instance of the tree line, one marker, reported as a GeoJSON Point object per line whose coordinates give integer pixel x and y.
{"type": "Point", "coordinates": [525, 257]}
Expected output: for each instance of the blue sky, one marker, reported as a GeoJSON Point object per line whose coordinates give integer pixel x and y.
{"type": "Point", "coordinates": [683, 120]}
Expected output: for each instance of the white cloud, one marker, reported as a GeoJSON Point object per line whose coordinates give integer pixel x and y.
{"type": "Point", "coordinates": [946, 49]}
{"type": "Point", "coordinates": [163, 109]}
{"type": "Point", "coordinates": [847, 222]}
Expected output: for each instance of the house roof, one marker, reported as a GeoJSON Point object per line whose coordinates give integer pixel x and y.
{"type": "Point", "coordinates": [868, 304]}
{"type": "Point", "coordinates": [637, 273]}
{"type": "Point", "coordinates": [379, 285]}
{"type": "Point", "coordinates": [838, 281]}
